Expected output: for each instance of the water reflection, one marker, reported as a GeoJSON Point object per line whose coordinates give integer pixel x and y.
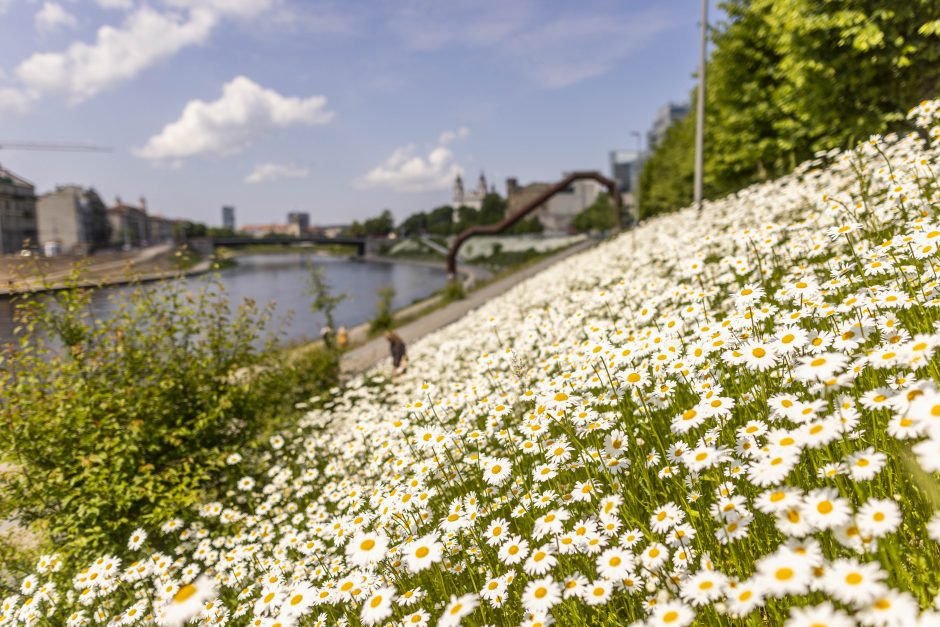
{"type": "Point", "coordinates": [282, 278]}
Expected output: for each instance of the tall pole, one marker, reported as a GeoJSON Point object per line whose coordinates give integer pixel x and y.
{"type": "Point", "coordinates": [635, 174]}
{"type": "Point", "coordinates": [700, 111]}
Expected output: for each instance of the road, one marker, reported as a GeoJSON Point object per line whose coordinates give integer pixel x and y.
{"type": "Point", "coordinates": [372, 352]}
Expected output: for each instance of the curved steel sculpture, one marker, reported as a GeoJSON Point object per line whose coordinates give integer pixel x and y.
{"type": "Point", "coordinates": [529, 207]}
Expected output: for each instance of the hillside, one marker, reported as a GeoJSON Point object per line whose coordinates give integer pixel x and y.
{"type": "Point", "coordinates": [729, 416]}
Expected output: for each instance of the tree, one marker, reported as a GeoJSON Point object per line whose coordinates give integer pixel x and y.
{"type": "Point", "coordinates": [215, 231]}
{"type": "Point", "coordinates": [493, 209]}
{"type": "Point", "coordinates": [324, 301]}
{"type": "Point", "coordinates": [186, 229]}
{"type": "Point", "coordinates": [601, 215]}
{"type": "Point", "coordinates": [526, 225]}
{"type": "Point", "coordinates": [441, 220]}
{"type": "Point", "coordinates": [381, 225]}
{"type": "Point", "coordinates": [666, 177]}
{"type": "Point", "coordinates": [415, 224]}
{"type": "Point", "coordinates": [790, 77]}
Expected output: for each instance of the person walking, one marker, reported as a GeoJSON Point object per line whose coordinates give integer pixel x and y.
{"type": "Point", "coordinates": [326, 334]}
{"type": "Point", "coordinates": [342, 338]}
{"type": "Point", "coordinates": [397, 347]}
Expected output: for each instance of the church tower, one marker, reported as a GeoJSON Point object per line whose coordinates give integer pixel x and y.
{"type": "Point", "coordinates": [458, 192]}
{"type": "Point", "coordinates": [481, 187]}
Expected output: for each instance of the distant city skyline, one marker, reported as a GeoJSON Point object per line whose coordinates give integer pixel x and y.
{"type": "Point", "coordinates": [333, 109]}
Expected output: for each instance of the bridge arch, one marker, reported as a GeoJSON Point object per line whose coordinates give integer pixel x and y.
{"type": "Point", "coordinates": [529, 207]}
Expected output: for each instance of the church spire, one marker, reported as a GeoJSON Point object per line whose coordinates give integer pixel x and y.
{"type": "Point", "coordinates": [458, 191]}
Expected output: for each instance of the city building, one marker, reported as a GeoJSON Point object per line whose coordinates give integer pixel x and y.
{"type": "Point", "coordinates": [332, 230]}
{"type": "Point", "coordinates": [260, 230]}
{"type": "Point", "coordinates": [472, 199]}
{"type": "Point", "coordinates": [160, 229]}
{"type": "Point", "coordinates": [625, 167]}
{"type": "Point", "coordinates": [72, 220]}
{"type": "Point", "coordinates": [667, 115]}
{"type": "Point", "coordinates": [228, 218]}
{"type": "Point", "coordinates": [298, 223]}
{"type": "Point", "coordinates": [558, 213]}
{"type": "Point", "coordinates": [18, 229]}
{"type": "Point", "coordinates": [129, 225]}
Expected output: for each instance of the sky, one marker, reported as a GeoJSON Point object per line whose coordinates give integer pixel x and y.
{"type": "Point", "coordinates": [339, 109]}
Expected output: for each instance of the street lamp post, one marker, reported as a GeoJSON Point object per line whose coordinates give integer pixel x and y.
{"type": "Point", "coordinates": [700, 110]}
{"type": "Point", "coordinates": [638, 165]}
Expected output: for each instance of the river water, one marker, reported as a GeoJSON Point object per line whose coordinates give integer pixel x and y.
{"type": "Point", "coordinates": [283, 279]}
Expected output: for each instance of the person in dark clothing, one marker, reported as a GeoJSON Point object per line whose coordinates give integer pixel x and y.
{"type": "Point", "coordinates": [397, 347]}
{"type": "Point", "coordinates": [326, 334]}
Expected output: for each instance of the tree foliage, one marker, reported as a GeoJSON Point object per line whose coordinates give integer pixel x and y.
{"type": "Point", "coordinates": [601, 215]}
{"type": "Point", "coordinates": [381, 225]}
{"type": "Point", "coordinates": [324, 300]}
{"type": "Point", "coordinates": [117, 423]}
{"type": "Point", "coordinates": [787, 78]}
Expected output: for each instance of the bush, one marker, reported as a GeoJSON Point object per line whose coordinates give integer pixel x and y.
{"type": "Point", "coordinates": [112, 424]}
{"type": "Point", "coordinates": [384, 318]}
{"type": "Point", "coordinates": [453, 291]}
{"type": "Point", "coordinates": [601, 215]}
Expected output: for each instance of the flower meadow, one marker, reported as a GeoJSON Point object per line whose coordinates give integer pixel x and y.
{"type": "Point", "coordinates": [725, 417]}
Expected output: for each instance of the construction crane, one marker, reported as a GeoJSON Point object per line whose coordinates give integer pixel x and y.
{"type": "Point", "coordinates": [59, 147]}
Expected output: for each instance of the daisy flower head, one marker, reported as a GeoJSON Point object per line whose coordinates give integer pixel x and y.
{"type": "Point", "coordinates": [188, 601]}
{"type": "Point", "coordinates": [597, 592]}
{"type": "Point", "coordinates": [513, 551]}
{"type": "Point", "coordinates": [366, 548]}
{"type": "Point", "coordinates": [853, 582]}
{"type": "Point", "coordinates": [823, 615]}
{"type": "Point", "coordinates": [137, 539]}
{"type": "Point", "coordinates": [378, 607]}
{"type": "Point", "coordinates": [784, 573]}
{"type": "Point", "coordinates": [457, 609]}
{"type": "Point", "coordinates": [704, 587]}
{"type": "Point", "coordinates": [825, 509]}
{"type": "Point", "coordinates": [423, 552]}
{"type": "Point", "coordinates": [671, 614]}
{"type": "Point", "coordinates": [541, 595]}
{"type": "Point", "coordinates": [820, 367]}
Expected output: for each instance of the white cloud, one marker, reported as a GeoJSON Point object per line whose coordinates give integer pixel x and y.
{"type": "Point", "coordinates": [121, 5]}
{"type": "Point", "coordinates": [405, 171]}
{"type": "Point", "coordinates": [243, 114]}
{"type": "Point", "coordinates": [267, 172]}
{"type": "Point", "coordinates": [52, 17]}
{"type": "Point", "coordinates": [448, 136]}
{"type": "Point", "coordinates": [15, 100]}
{"type": "Point", "coordinates": [236, 8]}
{"type": "Point", "coordinates": [118, 54]}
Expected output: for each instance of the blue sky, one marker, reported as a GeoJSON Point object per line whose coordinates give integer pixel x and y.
{"type": "Point", "coordinates": [336, 108]}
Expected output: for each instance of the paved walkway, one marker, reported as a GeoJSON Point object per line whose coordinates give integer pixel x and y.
{"type": "Point", "coordinates": [367, 355]}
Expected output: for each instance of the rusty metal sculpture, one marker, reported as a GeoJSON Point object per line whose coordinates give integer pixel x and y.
{"type": "Point", "coordinates": [529, 207]}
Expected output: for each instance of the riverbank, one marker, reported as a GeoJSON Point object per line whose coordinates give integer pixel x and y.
{"type": "Point", "coordinates": [420, 319]}
{"type": "Point", "coordinates": [155, 263]}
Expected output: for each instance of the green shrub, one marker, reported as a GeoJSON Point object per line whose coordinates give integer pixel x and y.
{"type": "Point", "coordinates": [453, 291]}
{"type": "Point", "coordinates": [118, 423]}
{"type": "Point", "coordinates": [384, 317]}
{"type": "Point", "coordinates": [601, 215]}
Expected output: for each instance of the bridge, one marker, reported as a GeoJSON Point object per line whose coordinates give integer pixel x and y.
{"type": "Point", "coordinates": [533, 205]}
{"type": "Point", "coordinates": [360, 243]}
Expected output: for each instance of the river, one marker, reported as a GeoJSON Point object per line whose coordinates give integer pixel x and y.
{"type": "Point", "coordinates": [282, 278]}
